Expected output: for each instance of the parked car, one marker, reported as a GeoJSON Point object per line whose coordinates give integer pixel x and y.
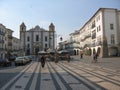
{"type": "Point", "coordinates": [12, 58]}
{"type": "Point", "coordinates": [5, 62]}
{"type": "Point", "coordinates": [28, 59]}
{"type": "Point", "coordinates": [20, 61]}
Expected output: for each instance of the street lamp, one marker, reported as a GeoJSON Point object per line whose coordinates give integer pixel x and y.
{"type": "Point", "coordinates": [61, 38]}
{"type": "Point", "coordinates": [56, 55]}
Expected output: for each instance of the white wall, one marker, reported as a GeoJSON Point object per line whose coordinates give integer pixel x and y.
{"type": "Point", "coordinates": [110, 18]}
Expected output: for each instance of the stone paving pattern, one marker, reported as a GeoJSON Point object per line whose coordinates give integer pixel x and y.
{"type": "Point", "coordinates": [78, 74]}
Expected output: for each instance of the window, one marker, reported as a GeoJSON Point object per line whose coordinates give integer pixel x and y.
{"type": "Point", "coordinates": [112, 39]}
{"type": "Point", "coordinates": [37, 37]}
{"type": "Point", "coordinates": [28, 45]}
{"type": "Point", "coordinates": [99, 28]}
{"type": "Point", "coordinates": [46, 45]}
{"type": "Point", "coordinates": [45, 38]}
{"type": "Point", "coordinates": [28, 38]}
{"type": "Point", "coordinates": [93, 24]}
{"type": "Point", "coordinates": [111, 26]}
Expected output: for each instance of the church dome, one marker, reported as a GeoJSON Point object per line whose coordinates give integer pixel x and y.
{"type": "Point", "coordinates": [37, 27]}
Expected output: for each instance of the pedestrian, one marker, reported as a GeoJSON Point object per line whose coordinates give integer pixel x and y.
{"type": "Point", "coordinates": [56, 58]}
{"type": "Point", "coordinates": [68, 57]}
{"type": "Point", "coordinates": [95, 55]}
{"type": "Point", "coordinates": [42, 61]}
{"type": "Point", "coordinates": [81, 55]}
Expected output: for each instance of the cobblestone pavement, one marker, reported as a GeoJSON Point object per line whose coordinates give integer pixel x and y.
{"type": "Point", "coordinates": [112, 63]}
{"type": "Point", "coordinates": [73, 75]}
{"type": "Point", "coordinates": [7, 73]}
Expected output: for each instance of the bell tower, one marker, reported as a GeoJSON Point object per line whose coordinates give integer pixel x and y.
{"type": "Point", "coordinates": [22, 37]}
{"type": "Point", "coordinates": [51, 36]}
{"type": "Point", "coordinates": [22, 30]}
{"type": "Point", "coordinates": [22, 27]}
{"type": "Point", "coordinates": [51, 27]}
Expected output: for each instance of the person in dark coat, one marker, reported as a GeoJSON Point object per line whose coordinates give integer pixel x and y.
{"type": "Point", "coordinates": [95, 56]}
{"type": "Point", "coordinates": [42, 61]}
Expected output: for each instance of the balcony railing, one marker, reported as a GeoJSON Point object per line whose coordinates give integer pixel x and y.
{"type": "Point", "coordinates": [87, 36]}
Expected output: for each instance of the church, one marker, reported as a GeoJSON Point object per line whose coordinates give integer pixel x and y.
{"type": "Point", "coordinates": [36, 39]}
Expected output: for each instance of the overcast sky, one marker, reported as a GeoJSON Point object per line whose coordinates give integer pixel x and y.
{"type": "Point", "coordinates": [66, 15]}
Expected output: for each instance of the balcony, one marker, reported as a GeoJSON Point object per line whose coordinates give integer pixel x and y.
{"type": "Point", "coordinates": [98, 43]}
{"type": "Point", "coordinates": [93, 25]}
{"type": "Point", "coordinates": [87, 36]}
{"type": "Point", "coordinates": [93, 35]}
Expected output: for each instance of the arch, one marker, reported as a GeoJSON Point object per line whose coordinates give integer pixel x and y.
{"type": "Point", "coordinates": [77, 52]}
{"type": "Point", "coordinates": [89, 51]}
{"type": "Point", "coordinates": [74, 52]}
{"type": "Point", "coordinates": [98, 51]}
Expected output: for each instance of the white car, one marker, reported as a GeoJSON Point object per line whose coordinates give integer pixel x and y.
{"type": "Point", "coordinates": [20, 61]}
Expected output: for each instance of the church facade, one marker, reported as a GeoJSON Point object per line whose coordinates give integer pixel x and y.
{"type": "Point", "coordinates": [36, 39]}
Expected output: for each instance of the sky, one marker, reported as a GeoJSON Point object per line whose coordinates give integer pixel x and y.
{"type": "Point", "coordinates": [66, 15]}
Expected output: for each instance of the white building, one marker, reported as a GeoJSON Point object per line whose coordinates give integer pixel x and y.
{"type": "Point", "coordinates": [8, 40]}
{"type": "Point", "coordinates": [5, 41]}
{"type": "Point", "coordinates": [37, 39]}
{"type": "Point", "coordinates": [2, 41]}
{"type": "Point", "coordinates": [101, 34]}
{"type": "Point", "coordinates": [16, 46]}
{"type": "Point", "coordinates": [74, 43]}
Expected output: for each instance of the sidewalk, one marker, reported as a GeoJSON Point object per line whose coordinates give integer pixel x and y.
{"type": "Point", "coordinates": [112, 63]}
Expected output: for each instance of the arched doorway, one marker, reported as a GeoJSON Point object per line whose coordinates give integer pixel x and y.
{"type": "Point", "coordinates": [74, 52]}
{"type": "Point", "coordinates": [89, 52]}
{"type": "Point", "coordinates": [77, 52]}
{"type": "Point", "coordinates": [36, 51]}
{"type": "Point", "coordinates": [98, 51]}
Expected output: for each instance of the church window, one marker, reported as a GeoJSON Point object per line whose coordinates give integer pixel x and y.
{"type": "Point", "coordinates": [45, 38]}
{"type": "Point", "coordinates": [37, 37]}
{"type": "Point", "coordinates": [28, 38]}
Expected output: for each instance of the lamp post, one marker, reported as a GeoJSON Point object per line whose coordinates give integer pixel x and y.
{"type": "Point", "coordinates": [56, 55]}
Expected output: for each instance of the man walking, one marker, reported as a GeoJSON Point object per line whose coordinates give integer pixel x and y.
{"type": "Point", "coordinates": [42, 61]}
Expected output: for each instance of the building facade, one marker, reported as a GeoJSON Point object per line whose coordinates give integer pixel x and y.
{"type": "Point", "coordinates": [36, 39]}
{"type": "Point", "coordinates": [16, 46]}
{"type": "Point", "coordinates": [6, 42]}
{"type": "Point", "coordinates": [2, 41]}
{"type": "Point", "coordinates": [101, 33]}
